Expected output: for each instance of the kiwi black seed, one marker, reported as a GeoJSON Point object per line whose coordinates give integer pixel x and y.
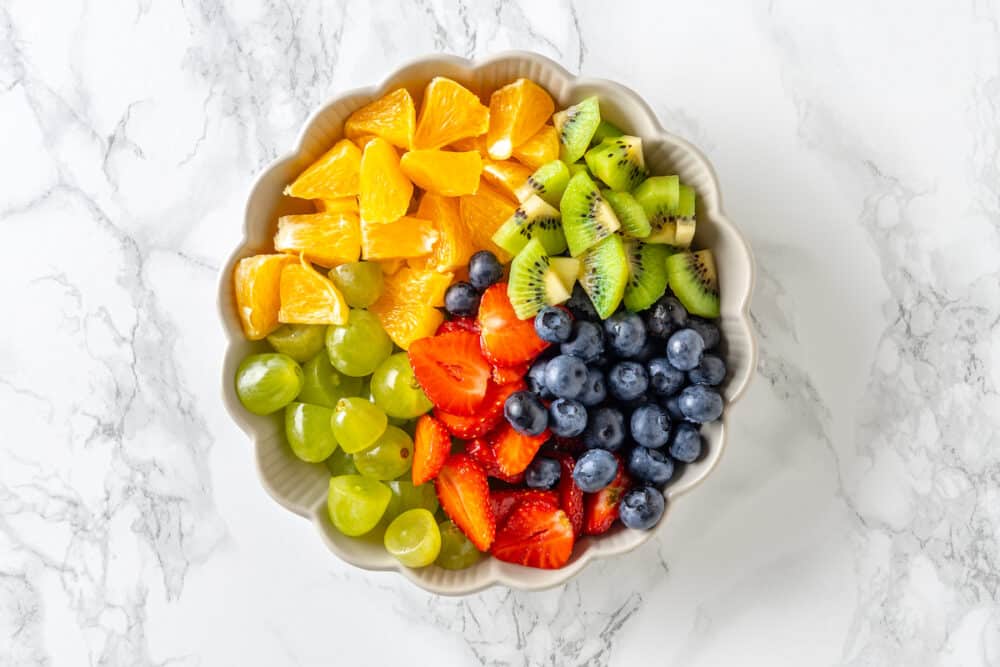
{"type": "Point", "coordinates": [618, 162]}
{"type": "Point", "coordinates": [647, 273]}
{"type": "Point", "coordinates": [586, 217]}
{"type": "Point", "coordinates": [604, 274]}
{"type": "Point", "coordinates": [548, 182]}
{"type": "Point", "coordinates": [535, 218]}
{"type": "Point", "coordinates": [533, 284]}
{"type": "Point", "coordinates": [576, 126]}
{"type": "Point", "coordinates": [694, 281]}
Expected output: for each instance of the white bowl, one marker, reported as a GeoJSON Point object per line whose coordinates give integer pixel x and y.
{"type": "Point", "coordinates": [302, 487]}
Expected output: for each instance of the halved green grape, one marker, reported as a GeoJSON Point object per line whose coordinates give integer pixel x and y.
{"type": "Point", "coordinates": [388, 458]}
{"type": "Point", "coordinates": [267, 382]}
{"type": "Point", "coordinates": [457, 552]}
{"type": "Point", "coordinates": [355, 503]}
{"type": "Point", "coordinates": [359, 282]}
{"type": "Point", "coordinates": [309, 431]}
{"type": "Point", "coordinates": [323, 385]}
{"type": "Point", "coordinates": [396, 390]}
{"type": "Point", "coordinates": [413, 538]}
{"type": "Point", "coordinates": [341, 463]}
{"type": "Point", "coordinates": [299, 341]}
{"type": "Point", "coordinates": [357, 424]}
{"type": "Point", "coordinates": [358, 347]}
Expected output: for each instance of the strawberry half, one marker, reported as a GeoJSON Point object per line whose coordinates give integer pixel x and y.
{"type": "Point", "coordinates": [482, 452]}
{"type": "Point", "coordinates": [537, 534]}
{"type": "Point", "coordinates": [570, 495]}
{"type": "Point", "coordinates": [504, 501]}
{"type": "Point", "coordinates": [458, 324]}
{"type": "Point", "coordinates": [431, 446]}
{"type": "Point", "coordinates": [601, 509]}
{"type": "Point", "coordinates": [488, 415]}
{"type": "Point", "coordinates": [464, 495]}
{"type": "Point", "coordinates": [451, 371]}
{"type": "Point", "coordinates": [514, 451]}
{"type": "Point", "coordinates": [508, 374]}
{"type": "Point", "coordinates": [507, 340]}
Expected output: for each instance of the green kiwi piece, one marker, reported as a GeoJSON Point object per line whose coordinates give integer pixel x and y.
{"type": "Point", "coordinates": [693, 279]}
{"type": "Point", "coordinates": [684, 220]}
{"type": "Point", "coordinates": [577, 167]}
{"type": "Point", "coordinates": [548, 182]}
{"type": "Point", "coordinates": [587, 218]}
{"type": "Point", "coordinates": [533, 284]}
{"type": "Point", "coordinates": [567, 268]}
{"type": "Point", "coordinates": [618, 162]}
{"type": "Point", "coordinates": [647, 273]}
{"type": "Point", "coordinates": [534, 218]}
{"type": "Point", "coordinates": [576, 126]}
{"type": "Point", "coordinates": [605, 130]}
{"type": "Point", "coordinates": [630, 214]}
{"type": "Point", "coordinates": [604, 274]}
{"type": "Point", "coordinates": [659, 197]}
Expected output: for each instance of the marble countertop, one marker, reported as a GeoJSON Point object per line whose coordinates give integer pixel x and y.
{"type": "Point", "coordinates": [855, 516]}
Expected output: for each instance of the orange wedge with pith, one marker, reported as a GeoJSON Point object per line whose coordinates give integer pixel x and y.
{"type": "Point", "coordinates": [333, 175]}
{"type": "Point", "coordinates": [454, 244]}
{"type": "Point", "coordinates": [327, 239]}
{"type": "Point", "coordinates": [505, 175]}
{"type": "Point", "coordinates": [517, 112]}
{"type": "Point", "coordinates": [406, 237]}
{"type": "Point", "coordinates": [483, 213]}
{"type": "Point", "coordinates": [443, 172]}
{"type": "Point", "coordinates": [309, 297]}
{"type": "Point", "coordinates": [391, 117]}
{"type": "Point", "coordinates": [541, 148]}
{"type": "Point", "coordinates": [385, 189]}
{"type": "Point", "coordinates": [257, 286]}
{"type": "Point", "coordinates": [406, 308]}
{"type": "Point", "coordinates": [449, 112]}
{"type": "Point", "coordinates": [338, 205]}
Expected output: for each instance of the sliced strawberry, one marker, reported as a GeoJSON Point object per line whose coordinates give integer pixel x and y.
{"type": "Point", "coordinates": [601, 509]}
{"type": "Point", "coordinates": [570, 495]}
{"type": "Point", "coordinates": [514, 451]}
{"type": "Point", "coordinates": [483, 453]}
{"type": "Point", "coordinates": [464, 495]}
{"type": "Point", "coordinates": [431, 446]}
{"type": "Point", "coordinates": [504, 501]}
{"type": "Point", "coordinates": [451, 371]}
{"type": "Point", "coordinates": [507, 341]}
{"type": "Point", "coordinates": [508, 374]}
{"type": "Point", "coordinates": [488, 415]}
{"type": "Point", "coordinates": [458, 324]}
{"type": "Point", "coordinates": [537, 534]}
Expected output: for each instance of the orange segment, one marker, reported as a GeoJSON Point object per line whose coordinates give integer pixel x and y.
{"type": "Point", "coordinates": [406, 308]}
{"type": "Point", "coordinates": [454, 245]}
{"type": "Point", "coordinates": [483, 213]}
{"type": "Point", "coordinates": [307, 297]}
{"type": "Point", "coordinates": [471, 144]}
{"type": "Point", "coordinates": [449, 112]}
{"type": "Point", "coordinates": [334, 175]}
{"type": "Point", "coordinates": [517, 111]}
{"type": "Point", "coordinates": [541, 148]}
{"type": "Point", "coordinates": [505, 175]}
{"type": "Point", "coordinates": [385, 190]}
{"type": "Point", "coordinates": [390, 266]}
{"type": "Point", "coordinates": [444, 172]}
{"type": "Point", "coordinates": [339, 205]}
{"type": "Point", "coordinates": [406, 237]}
{"type": "Point", "coordinates": [328, 239]}
{"type": "Point", "coordinates": [257, 283]}
{"type": "Point", "coordinates": [391, 117]}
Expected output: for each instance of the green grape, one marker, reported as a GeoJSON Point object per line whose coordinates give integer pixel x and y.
{"type": "Point", "coordinates": [413, 538]}
{"type": "Point", "coordinates": [299, 341]}
{"type": "Point", "coordinates": [457, 552]}
{"type": "Point", "coordinates": [412, 497]}
{"type": "Point", "coordinates": [357, 424]}
{"type": "Point", "coordinates": [341, 463]}
{"type": "Point", "coordinates": [309, 432]}
{"type": "Point", "coordinates": [323, 385]}
{"type": "Point", "coordinates": [388, 458]}
{"type": "Point", "coordinates": [359, 282]}
{"type": "Point", "coordinates": [358, 347]}
{"type": "Point", "coordinates": [265, 383]}
{"type": "Point", "coordinates": [396, 390]}
{"type": "Point", "coordinates": [356, 504]}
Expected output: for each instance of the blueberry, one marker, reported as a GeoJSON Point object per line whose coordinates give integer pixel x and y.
{"type": "Point", "coordinates": [627, 380]}
{"type": "Point", "coordinates": [687, 444]}
{"type": "Point", "coordinates": [650, 466]}
{"type": "Point", "coordinates": [536, 378]}
{"type": "Point", "coordinates": [594, 391]}
{"type": "Point", "coordinates": [708, 331]}
{"type": "Point", "coordinates": [581, 306]}
{"type": "Point", "coordinates": [553, 325]}
{"type": "Point", "coordinates": [567, 418]}
{"type": "Point", "coordinates": [700, 404]}
{"type": "Point", "coordinates": [665, 317]}
{"type": "Point", "coordinates": [595, 470]}
{"type": "Point", "coordinates": [605, 429]}
{"type": "Point", "coordinates": [684, 349]}
{"type": "Point", "coordinates": [641, 508]}
{"type": "Point", "coordinates": [711, 371]}
{"type": "Point", "coordinates": [625, 333]}
{"type": "Point", "coordinates": [542, 473]}
{"type": "Point", "coordinates": [484, 269]}
{"type": "Point", "coordinates": [650, 425]}
{"type": "Point", "coordinates": [526, 413]}
{"type": "Point", "coordinates": [673, 409]}
{"type": "Point", "coordinates": [461, 300]}
{"type": "Point", "coordinates": [565, 376]}
{"type": "Point", "coordinates": [586, 342]}
{"type": "Point", "coordinates": [664, 379]}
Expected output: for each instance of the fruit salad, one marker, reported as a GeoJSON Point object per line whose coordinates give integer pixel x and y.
{"type": "Point", "coordinates": [493, 331]}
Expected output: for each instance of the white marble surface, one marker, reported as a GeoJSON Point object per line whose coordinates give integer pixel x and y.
{"type": "Point", "coordinates": [855, 517]}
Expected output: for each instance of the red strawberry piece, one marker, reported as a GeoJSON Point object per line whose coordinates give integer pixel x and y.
{"type": "Point", "coordinates": [570, 495]}
{"type": "Point", "coordinates": [514, 451]}
{"type": "Point", "coordinates": [504, 501]}
{"type": "Point", "coordinates": [451, 370]}
{"type": "Point", "coordinates": [458, 324]}
{"type": "Point", "coordinates": [483, 453]}
{"type": "Point", "coordinates": [488, 415]}
{"type": "Point", "coordinates": [431, 446]}
{"type": "Point", "coordinates": [507, 340]}
{"type": "Point", "coordinates": [464, 494]}
{"type": "Point", "coordinates": [537, 534]}
{"type": "Point", "coordinates": [601, 509]}
{"type": "Point", "coordinates": [508, 374]}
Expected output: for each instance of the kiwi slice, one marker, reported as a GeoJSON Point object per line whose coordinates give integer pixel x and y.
{"type": "Point", "coordinates": [587, 218]}
{"type": "Point", "coordinates": [576, 168]}
{"type": "Point", "coordinates": [647, 273]}
{"type": "Point", "coordinates": [533, 284]}
{"type": "Point", "coordinates": [618, 162]}
{"type": "Point", "coordinates": [567, 268]}
{"type": "Point", "coordinates": [605, 130]}
{"type": "Point", "coordinates": [604, 274]}
{"type": "Point", "coordinates": [535, 218]}
{"type": "Point", "coordinates": [684, 221]}
{"type": "Point", "coordinates": [548, 182]}
{"type": "Point", "coordinates": [630, 214]}
{"type": "Point", "coordinates": [659, 197]}
{"type": "Point", "coordinates": [693, 280]}
{"type": "Point", "coordinates": [576, 126]}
